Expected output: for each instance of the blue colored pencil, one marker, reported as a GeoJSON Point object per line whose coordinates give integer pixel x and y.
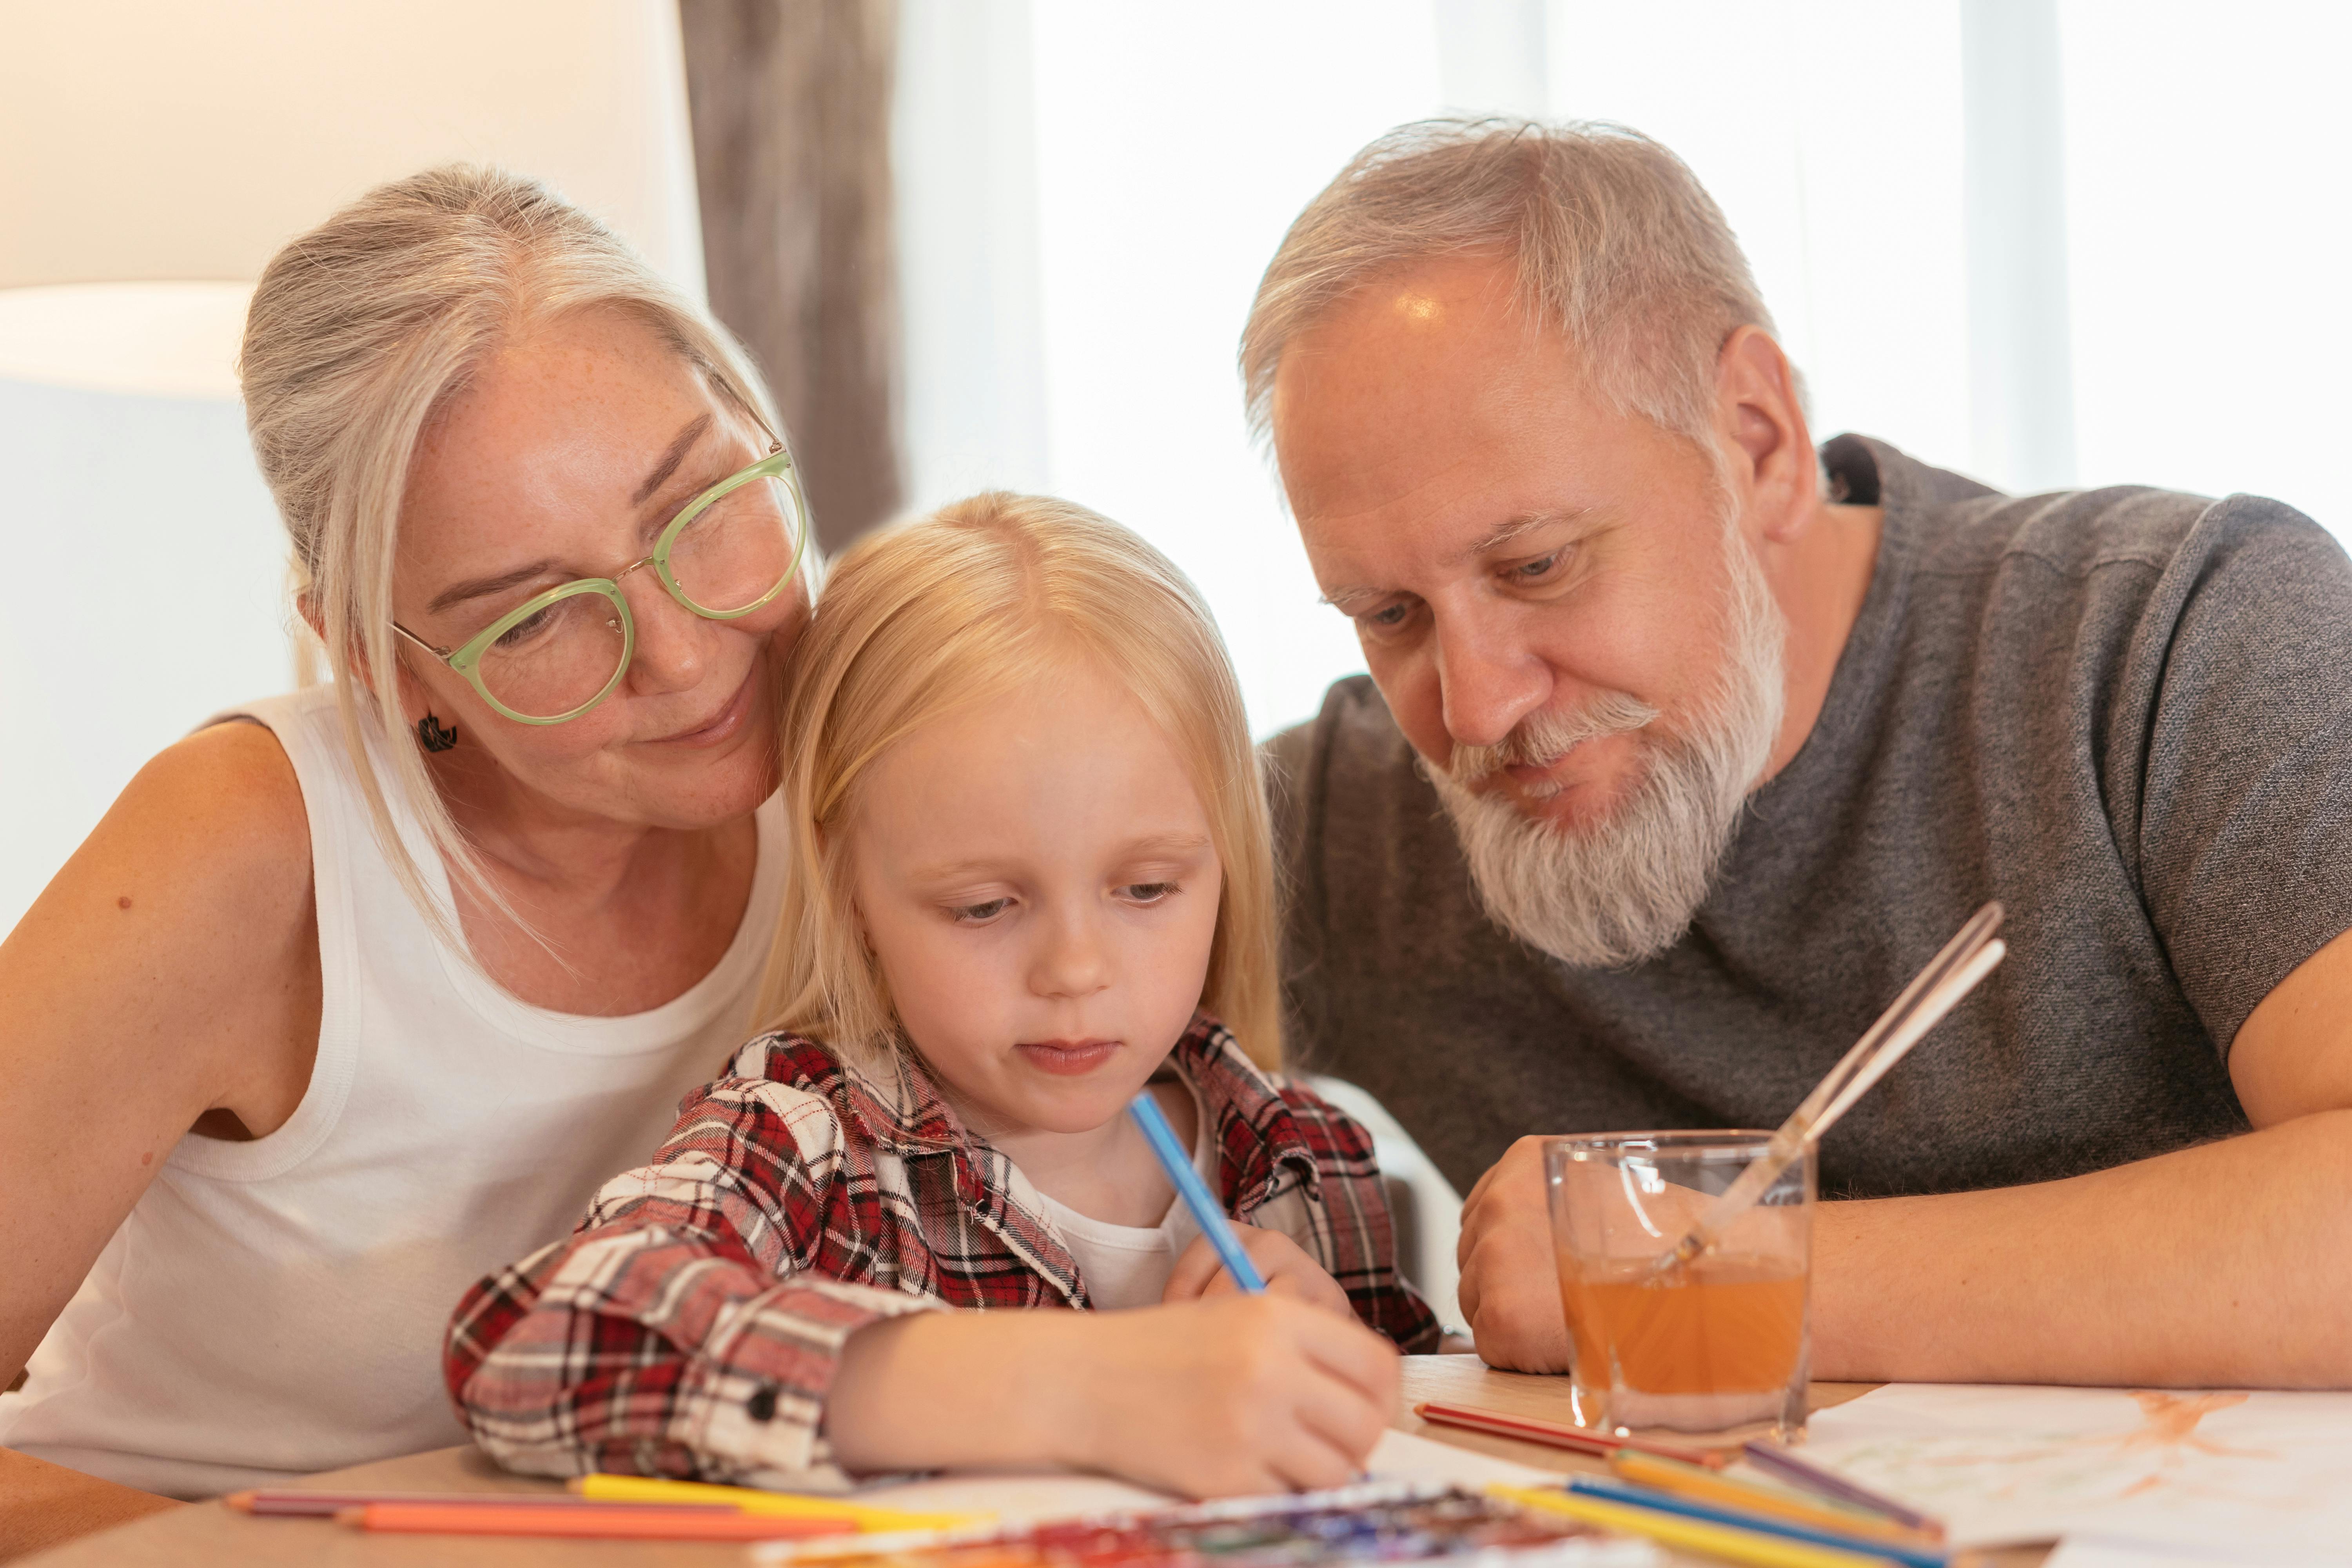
{"type": "Point", "coordinates": [1740, 1519]}
{"type": "Point", "coordinates": [1207, 1212]}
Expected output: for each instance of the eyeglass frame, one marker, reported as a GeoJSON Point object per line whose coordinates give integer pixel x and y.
{"type": "Point", "coordinates": [465, 660]}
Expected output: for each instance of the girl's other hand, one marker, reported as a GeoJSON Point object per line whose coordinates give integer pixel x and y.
{"type": "Point", "coordinates": [1284, 1266]}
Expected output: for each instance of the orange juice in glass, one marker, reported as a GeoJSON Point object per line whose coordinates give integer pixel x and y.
{"type": "Point", "coordinates": [1716, 1349]}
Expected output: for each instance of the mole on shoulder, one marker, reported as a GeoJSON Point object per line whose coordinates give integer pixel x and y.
{"type": "Point", "coordinates": [123, 902]}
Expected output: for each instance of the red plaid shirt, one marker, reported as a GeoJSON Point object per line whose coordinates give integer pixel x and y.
{"type": "Point", "coordinates": [692, 1324]}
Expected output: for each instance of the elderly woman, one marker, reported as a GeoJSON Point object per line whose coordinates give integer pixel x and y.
{"type": "Point", "coordinates": [359, 993]}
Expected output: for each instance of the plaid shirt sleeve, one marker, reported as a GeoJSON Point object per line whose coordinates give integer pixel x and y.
{"type": "Point", "coordinates": [680, 1330]}
{"type": "Point", "coordinates": [1353, 1230]}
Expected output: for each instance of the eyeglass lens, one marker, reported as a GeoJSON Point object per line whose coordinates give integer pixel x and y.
{"type": "Point", "coordinates": [734, 554]}
{"type": "Point", "coordinates": [737, 549]}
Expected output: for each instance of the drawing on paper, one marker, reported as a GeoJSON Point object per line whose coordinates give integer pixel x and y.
{"type": "Point", "coordinates": [2017, 1464]}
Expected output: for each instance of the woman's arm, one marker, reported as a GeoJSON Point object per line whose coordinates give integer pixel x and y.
{"type": "Point", "coordinates": [44, 1505]}
{"type": "Point", "coordinates": [168, 974]}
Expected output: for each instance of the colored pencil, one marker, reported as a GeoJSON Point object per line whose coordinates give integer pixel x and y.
{"type": "Point", "coordinates": [750, 1500]}
{"type": "Point", "coordinates": [1829, 1483]}
{"type": "Point", "coordinates": [1729, 1491]}
{"type": "Point", "coordinates": [603, 1521]}
{"type": "Point", "coordinates": [1207, 1212]}
{"type": "Point", "coordinates": [286, 1503]}
{"type": "Point", "coordinates": [1915, 1555]}
{"type": "Point", "coordinates": [1560, 1435]}
{"type": "Point", "coordinates": [1747, 1546]}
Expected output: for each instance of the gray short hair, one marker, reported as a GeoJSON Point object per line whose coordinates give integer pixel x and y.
{"type": "Point", "coordinates": [1617, 246]}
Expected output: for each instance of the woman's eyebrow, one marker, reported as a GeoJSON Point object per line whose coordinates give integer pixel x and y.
{"type": "Point", "coordinates": [474, 588]}
{"type": "Point", "coordinates": [671, 458]}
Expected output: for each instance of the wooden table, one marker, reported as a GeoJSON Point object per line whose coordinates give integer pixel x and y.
{"type": "Point", "coordinates": [210, 1533]}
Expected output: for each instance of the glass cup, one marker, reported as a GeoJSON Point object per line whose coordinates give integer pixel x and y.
{"type": "Point", "coordinates": [1720, 1348]}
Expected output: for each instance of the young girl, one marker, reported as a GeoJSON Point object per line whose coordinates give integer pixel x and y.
{"type": "Point", "coordinates": [1031, 877]}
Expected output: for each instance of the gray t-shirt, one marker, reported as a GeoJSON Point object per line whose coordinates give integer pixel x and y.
{"type": "Point", "coordinates": [2126, 713]}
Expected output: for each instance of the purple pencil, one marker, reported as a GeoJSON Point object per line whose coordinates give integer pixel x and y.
{"type": "Point", "coordinates": [1814, 1479]}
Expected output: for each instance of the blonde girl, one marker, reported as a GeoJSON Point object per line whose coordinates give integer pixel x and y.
{"type": "Point", "coordinates": [1031, 880]}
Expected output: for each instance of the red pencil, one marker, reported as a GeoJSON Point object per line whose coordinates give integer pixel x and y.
{"type": "Point", "coordinates": [1560, 1435]}
{"type": "Point", "coordinates": [608, 1522]}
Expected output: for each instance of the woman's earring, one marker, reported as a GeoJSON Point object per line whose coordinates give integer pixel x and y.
{"type": "Point", "coordinates": [433, 735]}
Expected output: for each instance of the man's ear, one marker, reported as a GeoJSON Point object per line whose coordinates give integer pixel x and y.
{"type": "Point", "coordinates": [1760, 419]}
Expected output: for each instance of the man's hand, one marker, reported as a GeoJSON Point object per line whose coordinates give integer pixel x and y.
{"type": "Point", "coordinates": [1510, 1287]}
{"type": "Point", "coordinates": [1287, 1269]}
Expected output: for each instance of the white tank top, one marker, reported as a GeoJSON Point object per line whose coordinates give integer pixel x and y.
{"type": "Point", "coordinates": [275, 1308]}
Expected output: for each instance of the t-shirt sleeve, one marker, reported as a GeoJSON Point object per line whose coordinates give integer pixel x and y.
{"type": "Point", "coordinates": [2244, 836]}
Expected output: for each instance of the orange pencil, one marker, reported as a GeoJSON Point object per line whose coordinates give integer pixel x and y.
{"type": "Point", "coordinates": [1559, 1435]}
{"type": "Point", "coordinates": [606, 1522]}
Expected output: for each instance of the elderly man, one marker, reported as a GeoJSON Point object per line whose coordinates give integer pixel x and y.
{"type": "Point", "coordinates": [1684, 746]}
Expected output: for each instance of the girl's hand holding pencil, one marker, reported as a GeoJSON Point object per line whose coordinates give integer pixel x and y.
{"type": "Point", "coordinates": [1281, 1262]}
{"type": "Point", "coordinates": [1224, 1397]}
{"type": "Point", "coordinates": [1237, 1394]}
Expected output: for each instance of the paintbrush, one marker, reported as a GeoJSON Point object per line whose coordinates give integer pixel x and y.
{"type": "Point", "coordinates": [1934, 991]}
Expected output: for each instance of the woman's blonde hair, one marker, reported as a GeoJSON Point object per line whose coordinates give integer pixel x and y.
{"type": "Point", "coordinates": [936, 615]}
{"type": "Point", "coordinates": [360, 332]}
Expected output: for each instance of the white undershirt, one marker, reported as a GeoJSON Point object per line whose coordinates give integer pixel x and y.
{"type": "Point", "coordinates": [1129, 1264]}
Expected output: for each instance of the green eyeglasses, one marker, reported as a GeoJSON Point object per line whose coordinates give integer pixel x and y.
{"type": "Point", "coordinates": [731, 552]}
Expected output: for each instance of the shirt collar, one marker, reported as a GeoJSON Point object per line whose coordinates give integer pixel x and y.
{"type": "Point", "coordinates": [1262, 1154]}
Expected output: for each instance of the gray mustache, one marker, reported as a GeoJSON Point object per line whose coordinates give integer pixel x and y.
{"type": "Point", "coordinates": [1546, 736]}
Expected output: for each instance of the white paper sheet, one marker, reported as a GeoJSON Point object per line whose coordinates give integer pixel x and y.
{"type": "Point", "coordinates": [2099, 1551]}
{"type": "Point", "coordinates": [2236, 1477]}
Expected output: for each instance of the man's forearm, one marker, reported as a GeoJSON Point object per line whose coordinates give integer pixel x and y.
{"type": "Point", "coordinates": [2227, 1264]}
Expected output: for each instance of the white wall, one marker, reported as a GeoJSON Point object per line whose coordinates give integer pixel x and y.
{"type": "Point", "coordinates": [2209, 180]}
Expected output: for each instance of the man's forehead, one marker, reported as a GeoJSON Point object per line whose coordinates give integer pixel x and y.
{"type": "Point", "coordinates": [1405, 336]}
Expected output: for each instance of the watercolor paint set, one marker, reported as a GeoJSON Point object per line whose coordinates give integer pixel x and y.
{"type": "Point", "coordinates": [1375, 1523]}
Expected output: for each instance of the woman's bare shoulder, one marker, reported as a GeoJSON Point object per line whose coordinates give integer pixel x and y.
{"type": "Point", "coordinates": [203, 858]}
{"type": "Point", "coordinates": [228, 801]}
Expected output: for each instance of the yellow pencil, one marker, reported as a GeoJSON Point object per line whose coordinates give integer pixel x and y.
{"type": "Point", "coordinates": [1715, 1540]}
{"type": "Point", "coordinates": [1688, 1480]}
{"type": "Point", "coordinates": [750, 1500]}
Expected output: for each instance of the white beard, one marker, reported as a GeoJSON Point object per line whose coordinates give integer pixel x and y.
{"type": "Point", "coordinates": [1625, 888]}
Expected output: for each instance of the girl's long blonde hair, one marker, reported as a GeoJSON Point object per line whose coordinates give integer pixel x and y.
{"type": "Point", "coordinates": [927, 618]}
{"type": "Point", "coordinates": [360, 332]}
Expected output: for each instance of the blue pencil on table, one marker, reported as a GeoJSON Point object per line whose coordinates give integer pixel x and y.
{"type": "Point", "coordinates": [1666, 1502]}
{"type": "Point", "coordinates": [1207, 1212]}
